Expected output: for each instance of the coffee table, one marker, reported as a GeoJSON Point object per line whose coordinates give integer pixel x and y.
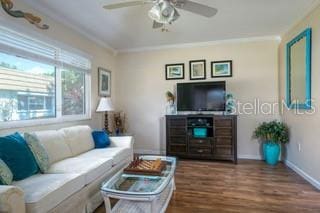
{"type": "Point", "coordinates": [141, 193]}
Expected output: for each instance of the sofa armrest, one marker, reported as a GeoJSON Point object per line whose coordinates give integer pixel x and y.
{"type": "Point", "coordinates": [12, 199]}
{"type": "Point", "coordinates": [123, 141]}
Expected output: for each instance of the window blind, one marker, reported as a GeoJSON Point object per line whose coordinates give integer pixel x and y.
{"type": "Point", "coordinates": [25, 46]}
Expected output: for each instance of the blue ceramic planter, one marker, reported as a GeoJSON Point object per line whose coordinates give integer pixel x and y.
{"type": "Point", "coordinates": [271, 152]}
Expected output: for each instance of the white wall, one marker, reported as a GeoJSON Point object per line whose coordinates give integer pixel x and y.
{"type": "Point", "coordinates": [304, 128]}
{"type": "Point", "coordinates": [58, 32]}
{"type": "Point", "coordinates": [141, 87]}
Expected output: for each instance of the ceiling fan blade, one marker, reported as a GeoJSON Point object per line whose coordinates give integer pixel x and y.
{"type": "Point", "coordinates": [196, 8]}
{"type": "Point", "coordinates": [156, 25]}
{"type": "Point", "coordinates": [125, 4]}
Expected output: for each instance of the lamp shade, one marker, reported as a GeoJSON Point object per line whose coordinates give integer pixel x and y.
{"type": "Point", "coordinates": [105, 105]}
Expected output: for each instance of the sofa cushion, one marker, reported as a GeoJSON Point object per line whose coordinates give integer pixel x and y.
{"type": "Point", "coordinates": [101, 139]}
{"type": "Point", "coordinates": [91, 168]}
{"type": "Point", "coordinates": [117, 154]}
{"type": "Point", "coordinates": [123, 141]}
{"type": "Point", "coordinates": [55, 145]}
{"type": "Point", "coordinates": [15, 152]}
{"type": "Point", "coordinates": [79, 139]}
{"type": "Point", "coordinates": [6, 175]}
{"type": "Point", "coordinates": [45, 191]}
{"type": "Point", "coordinates": [38, 151]}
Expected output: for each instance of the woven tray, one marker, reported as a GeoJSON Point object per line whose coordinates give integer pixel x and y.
{"type": "Point", "coordinates": [145, 167]}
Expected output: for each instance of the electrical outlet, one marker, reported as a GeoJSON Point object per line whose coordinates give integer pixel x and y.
{"type": "Point", "coordinates": [299, 147]}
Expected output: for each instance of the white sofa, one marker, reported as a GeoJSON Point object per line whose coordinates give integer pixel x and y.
{"type": "Point", "coordinates": [73, 181]}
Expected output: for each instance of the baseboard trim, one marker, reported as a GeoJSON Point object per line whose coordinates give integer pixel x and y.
{"type": "Point", "coordinates": [250, 157]}
{"type": "Point", "coordinates": [303, 174]}
{"type": "Point", "coordinates": [162, 152]}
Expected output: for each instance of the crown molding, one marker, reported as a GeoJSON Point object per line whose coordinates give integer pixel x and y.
{"type": "Point", "coordinates": [63, 21]}
{"type": "Point", "coordinates": [201, 44]}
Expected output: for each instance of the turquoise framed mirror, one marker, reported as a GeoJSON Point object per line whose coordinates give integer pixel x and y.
{"type": "Point", "coordinates": [299, 71]}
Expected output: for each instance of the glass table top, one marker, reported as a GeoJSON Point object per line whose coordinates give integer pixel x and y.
{"type": "Point", "coordinates": [129, 184]}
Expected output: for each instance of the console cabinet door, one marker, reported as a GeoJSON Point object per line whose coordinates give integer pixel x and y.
{"type": "Point", "coordinates": [224, 138]}
{"type": "Point", "coordinates": [176, 135]}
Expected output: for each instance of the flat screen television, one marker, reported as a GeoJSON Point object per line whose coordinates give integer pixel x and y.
{"type": "Point", "coordinates": [203, 96]}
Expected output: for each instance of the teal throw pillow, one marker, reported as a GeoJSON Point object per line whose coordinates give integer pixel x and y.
{"type": "Point", "coordinates": [15, 152]}
{"type": "Point", "coordinates": [39, 152]}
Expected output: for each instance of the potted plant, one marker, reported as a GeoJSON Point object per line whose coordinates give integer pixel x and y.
{"type": "Point", "coordinates": [272, 134]}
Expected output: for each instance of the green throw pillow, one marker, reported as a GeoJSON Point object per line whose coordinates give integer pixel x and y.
{"type": "Point", "coordinates": [6, 175]}
{"type": "Point", "coordinates": [39, 152]}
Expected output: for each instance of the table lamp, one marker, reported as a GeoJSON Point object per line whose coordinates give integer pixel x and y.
{"type": "Point", "coordinates": [105, 105]}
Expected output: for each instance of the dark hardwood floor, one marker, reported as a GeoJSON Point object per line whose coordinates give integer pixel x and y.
{"type": "Point", "coordinates": [250, 186]}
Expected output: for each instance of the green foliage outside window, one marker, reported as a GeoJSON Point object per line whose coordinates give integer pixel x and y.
{"type": "Point", "coordinates": [73, 92]}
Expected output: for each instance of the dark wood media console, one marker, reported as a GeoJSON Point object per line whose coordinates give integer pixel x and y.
{"type": "Point", "coordinates": [218, 143]}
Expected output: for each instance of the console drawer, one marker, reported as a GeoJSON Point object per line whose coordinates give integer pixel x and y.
{"type": "Point", "coordinates": [224, 141]}
{"type": "Point", "coordinates": [200, 142]}
{"type": "Point", "coordinates": [225, 131]}
{"type": "Point", "coordinates": [178, 140]}
{"type": "Point", "coordinates": [175, 131]}
{"type": "Point", "coordinates": [223, 122]}
{"type": "Point", "coordinates": [223, 150]}
{"type": "Point", "coordinates": [178, 149]}
{"type": "Point", "coordinates": [178, 122]}
{"type": "Point", "coordinates": [200, 151]}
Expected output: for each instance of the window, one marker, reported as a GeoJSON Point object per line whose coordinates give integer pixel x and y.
{"type": "Point", "coordinates": [32, 103]}
{"type": "Point", "coordinates": [73, 92]}
{"type": "Point", "coordinates": [38, 81]}
{"type": "Point", "coordinates": [25, 87]}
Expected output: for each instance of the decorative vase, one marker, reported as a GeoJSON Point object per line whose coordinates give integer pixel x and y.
{"type": "Point", "coordinates": [171, 108]}
{"type": "Point", "coordinates": [271, 152]}
{"type": "Point", "coordinates": [230, 104]}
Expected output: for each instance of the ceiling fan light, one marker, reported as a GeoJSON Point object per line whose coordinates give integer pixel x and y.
{"type": "Point", "coordinates": [155, 13]}
{"type": "Point", "coordinates": [163, 12]}
{"type": "Point", "coordinates": [166, 8]}
{"type": "Point", "coordinates": [175, 16]}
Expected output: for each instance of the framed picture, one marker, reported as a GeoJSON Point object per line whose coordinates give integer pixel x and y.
{"type": "Point", "coordinates": [104, 82]}
{"type": "Point", "coordinates": [197, 70]}
{"type": "Point", "coordinates": [220, 69]}
{"type": "Point", "coordinates": [174, 71]}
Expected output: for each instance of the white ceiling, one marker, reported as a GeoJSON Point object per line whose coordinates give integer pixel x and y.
{"type": "Point", "coordinates": [130, 28]}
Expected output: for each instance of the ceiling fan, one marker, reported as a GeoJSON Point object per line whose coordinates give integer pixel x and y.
{"type": "Point", "coordinates": [165, 11]}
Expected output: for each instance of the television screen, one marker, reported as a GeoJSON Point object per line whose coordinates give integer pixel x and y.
{"type": "Point", "coordinates": [203, 96]}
